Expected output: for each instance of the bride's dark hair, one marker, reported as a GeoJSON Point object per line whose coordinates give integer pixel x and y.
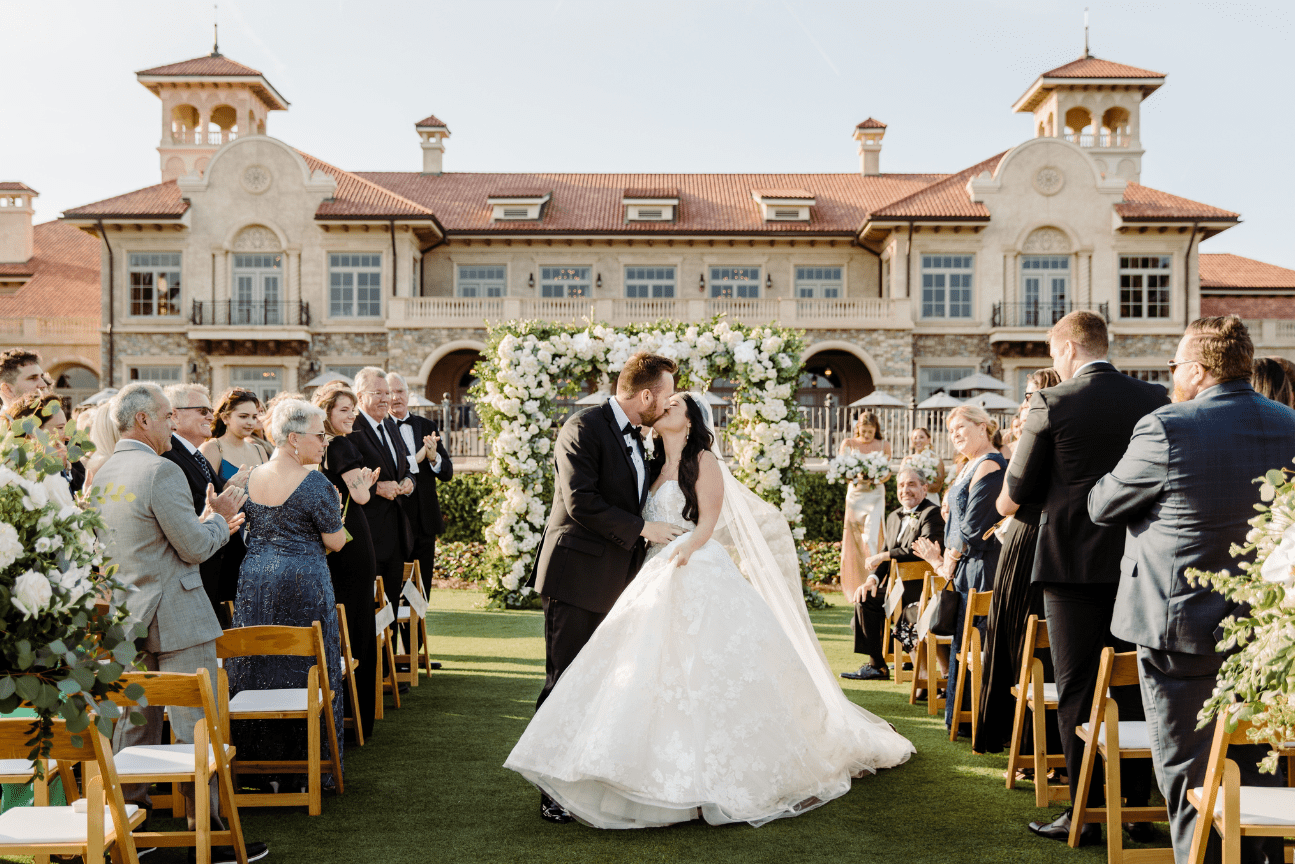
{"type": "Point", "coordinates": [699, 441]}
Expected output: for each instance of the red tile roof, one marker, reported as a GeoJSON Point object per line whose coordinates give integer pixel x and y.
{"type": "Point", "coordinates": [519, 192]}
{"type": "Point", "coordinates": [162, 201]}
{"type": "Point", "coordinates": [947, 199]}
{"type": "Point", "coordinates": [15, 186]}
{"type": "Point", "coordinates": [783, 193]}
{"type": "Point", "coordinates": [1095, 67]}
{"type": "Point", "coordinates": [1144, 204]}
{"type": "Point", "coordinates": [357, 197]}
{"type": "Point", "coordinates": [1225, 270]}
{"type": "Point", "coordinates": [649, 192]}
{"type": "Point", "coordinates": [215, 66]}
{"type": "Point", "coordinates": [430, 120]}
{"type": "Point", "coordinates": [65, 280]}
{"type": "Point", "coordinates": [871, 123]}
{"type": "Point", "coordinates": [708, 203]}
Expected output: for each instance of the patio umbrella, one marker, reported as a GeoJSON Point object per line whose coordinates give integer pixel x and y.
{"type": "Point", "coordinates": [102, 396]}
{"type": "Point", "coordinates": [416, 401]}
{"type": "Point", "coordinates": [877, 399]}
{"type": "Point", "coordinates": [325, 377]}
{"type": "Point", "coordinates": [978, 381]}
{"type": "Point", "coordinates": [712, 399]}
{"type": "Point", "coordinates": [939, 400]}
{"type": "Point", "coordinates": [994, 402]}
{"type": "Point", "coordinates": [598, 397]}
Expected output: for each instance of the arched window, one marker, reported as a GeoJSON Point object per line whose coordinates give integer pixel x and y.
{"type": "Point", "coordinates": [1077, 120]}
{"type": "Point", "coordinates": [184, 124]}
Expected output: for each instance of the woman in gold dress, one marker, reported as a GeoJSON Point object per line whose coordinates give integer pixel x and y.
{"type": "Point", "coordinates": [865, 506]}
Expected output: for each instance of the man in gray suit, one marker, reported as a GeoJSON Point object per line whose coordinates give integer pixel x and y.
{"type": "Point", "coordinates": [157, 542]}
{"type": "Point", "coordinates": [1184, 489]}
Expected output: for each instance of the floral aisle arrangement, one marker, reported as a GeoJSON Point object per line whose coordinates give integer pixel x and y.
{"type": "Point", "coordinates": [529, 365]}
{"type": "Point", "coordinates": [1260, 673]}
{"type": "Point", "coordinates": [64, 645]}
{"type": "Point", "coordinates": [926, 464]}
{"type": "Point", "coordinates": [853, 465]}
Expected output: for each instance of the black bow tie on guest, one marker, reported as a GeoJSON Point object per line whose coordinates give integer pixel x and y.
{"type": "Point", "coordinates": [909, 514]}
{"type": "Point", "coordinates": [636, 431]}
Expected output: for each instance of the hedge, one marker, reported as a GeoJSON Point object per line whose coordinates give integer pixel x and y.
{"type": "Point", "coordinates": [460, 505]}
{"type": "Point", "coordinates": [823, 506]}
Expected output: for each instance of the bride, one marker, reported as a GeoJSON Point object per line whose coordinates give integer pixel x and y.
{"type": "Point", "coordinates": [702, 694]}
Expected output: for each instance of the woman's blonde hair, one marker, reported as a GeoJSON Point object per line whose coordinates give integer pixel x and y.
{"type": "Point", "coordinates": [977, 415]}
{"type": "Point", "coordinates": [326, 398]}
{"type": "Point", "coordinates": [867, 418]}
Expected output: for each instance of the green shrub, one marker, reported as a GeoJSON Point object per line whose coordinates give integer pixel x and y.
{"type": "Point", "coordinates": [461, 506]}
{"type": "Point", "coordinates": [820, 562]}
{"type": "Point", "coordinates": [463, 561]}
{"type": "Point", "coordinates": [823, 505]}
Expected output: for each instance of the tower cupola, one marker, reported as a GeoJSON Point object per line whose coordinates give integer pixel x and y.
{"type": "Point", "coordinates": [869, 134]}
{"type": "Point", "coordinates": [17, 237]}
{"type": "Point", "coordinates": [433, 134]}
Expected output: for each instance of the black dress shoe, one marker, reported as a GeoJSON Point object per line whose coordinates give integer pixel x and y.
{"type": "Point", "coordinates": [1059, 829]}
{"type": "Point", "coordinates": [1140, 832]}
{"type": "Point", "coordinates": [435, 664]}
{"type": "Point", "coordinates": [920, 696]}
{"type": "Point", "coordinates": [402, 688]}
{"type": "Point", "coordinates": [907, 667]}
{"type": "Point", "coordinates": [868, 672]}
{"type": "Point", "coordinates": [552, 811]}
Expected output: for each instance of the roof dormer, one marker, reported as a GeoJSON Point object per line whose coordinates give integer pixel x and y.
{"type": "Point", "coordinates": [518, 205]}
{"type": "Point", "coordinates": [650, 205]}
{"type": "Point", "coordinates": [784, 205]}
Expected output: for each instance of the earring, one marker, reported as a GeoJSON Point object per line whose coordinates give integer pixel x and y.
{"type": "Point", "coordinates": [296, 452]}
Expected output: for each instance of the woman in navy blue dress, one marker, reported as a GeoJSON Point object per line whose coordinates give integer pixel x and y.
{"type": "Point", "coordinates": [293, 520]}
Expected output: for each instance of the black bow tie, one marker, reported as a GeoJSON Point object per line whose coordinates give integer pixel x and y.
{"type": "Point", "coordinates": [909, 514]}
{"type": "Point", "coordinates": [405, 421]}
{"type": "Point", "coordinates": [636, 431]}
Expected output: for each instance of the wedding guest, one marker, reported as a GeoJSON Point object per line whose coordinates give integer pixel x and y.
{"type": "Point", "coordinates": [232, 445]}
{"type": "Point", "coordinates": [865, 505]}
{"type": "Point", "coordinates": [191, 404]}
{"type": "Point", "coordinates": [1185, 491]}
{"type": "Point", "coordinates": [1075, 433]}
{"type": "Point", "coordinates": [104, 436]}
{"type": "Point", "coordinates": [158, 542]}
{"type": "Point", "coordinates": [921, 444]}
{"type": "Point", "coordinates": [47, 410]}
{"type": "Point", "coordinates": [1269, 380]}
{"type": "Point", "coordinates": [429, 462]}
{"type": "Point", "coordinates": [1015, 599]}
{"type": "Point", "coordinates": [353, 568]}
{"type": "Point", "coordinates": [969, 560]}
{"type": "Point", "coordinates": [20, 373]}
{"type": "Point", "coordinates": [916, 517]}
{"type": "Point", "coordinates": [261, 434]}
{"type": "Point", "coordinates": [293, 520]}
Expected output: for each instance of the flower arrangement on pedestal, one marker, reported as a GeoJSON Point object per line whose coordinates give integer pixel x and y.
{"type": "Point", "coordinates": [1261, 674]}
{"type": "Point", "coordinates": [529, 365]}
{"type": "Point", "coordinates": [63, 644]}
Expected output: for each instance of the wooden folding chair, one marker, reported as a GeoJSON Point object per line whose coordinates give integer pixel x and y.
{"type": "Point", "coordinates": [901, 572]}
{"type": "Point", "coordinates": [104, 822]}
{"type": "Point", "coordinates": [1240, 811]}
{"type": "Point", "coordinates": [208, 756]}
{"type": "Point", "coordinates": [930, 645]}
{"type": "Point", "coordinates": [349, 665]}
{"type": "Point", "coordinates": [1040, 697]}
{"type": "Point", "coordinates": [308, 703]}
{"type": "Point", "coordinates": [970, 654]}
{"type": "Point", "coordinates": [417, 652]}
{"type": "Point", "coordinates": [384, 617]}
{"type": "Point", "coordinates": [1115, 740]}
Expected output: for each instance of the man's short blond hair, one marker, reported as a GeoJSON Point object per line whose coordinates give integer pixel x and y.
{"type": "Point", "coordinates": [1085, 329]}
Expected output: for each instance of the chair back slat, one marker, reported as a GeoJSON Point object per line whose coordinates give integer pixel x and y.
{"type": "Point", "coordinates": [163, 688]}
{"type": "Point", "coordinates": [265, 640]}
{"type": "Point", "coordinates": [979, 602]}
{"type": "Point", "coordinates": [1041, 639]}
{"type": "Point", "coordinates": [16, 735]}
{"type": "Point", "coordinates": [911, 571]}
{"type": "Point", "coordinates": [1124, 669]}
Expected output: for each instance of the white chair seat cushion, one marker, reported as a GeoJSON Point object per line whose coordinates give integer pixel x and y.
{"type": "Point", "coordinates": [1049, 692]}
{"type": "Point", "coordinates": [158, 759]}
{"type": "Point", "coordinates": [1134, 734]}
{"type": "Point", "coordinates": [20, 768]}
{"type": "Point", "coordinates": [33, 825]}
{"type": "Point", "coordinates": [291, 699]}
{"type": "Point", "coordinates": [1260, 805]}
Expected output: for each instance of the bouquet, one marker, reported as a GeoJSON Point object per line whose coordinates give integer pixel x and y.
{"type": "Point", "coordinates": [1260, 672]}
{"type": "Point", "coordinates": [63, 644]}
{"type": "Point", "coordinates": [926, 463]}
{"type": "Point", "coordinates": [853, 465]}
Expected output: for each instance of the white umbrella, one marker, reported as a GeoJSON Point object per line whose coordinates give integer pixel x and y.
{"type": "Point", "coordinates": [598, 397]}
{"type": "Point", "coordinates": [939, 400]}
{"type": "Point", "coordinates": [712, 399]}
{"type": "Point", "coordinates": [102, 396]}
{"type": "Point", "coordinates": [325, 377]}
{"type": "Point", "coordinates": [877, 399]}
{"type": "Point", "coordinates": [994, 402]}
{"type": "Point", "coordinates": [416, 401]}
{"type": "Point", "coordinates": [978, 381]}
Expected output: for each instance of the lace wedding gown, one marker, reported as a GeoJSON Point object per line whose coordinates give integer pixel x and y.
{"type": "Point", "coordinates": [690, 697]}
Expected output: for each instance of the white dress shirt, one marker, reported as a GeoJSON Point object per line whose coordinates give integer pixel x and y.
{"type": "Point", "coordinates": [636, 454]}
{"type": "Point", "coordinates": [381, 432]}
{"type": "Point", "coordinates": [407, 432]}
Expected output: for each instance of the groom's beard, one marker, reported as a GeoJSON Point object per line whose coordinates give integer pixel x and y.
{"type": "Point", "coordinates": [649, 418]}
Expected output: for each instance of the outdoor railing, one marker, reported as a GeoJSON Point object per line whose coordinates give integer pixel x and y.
{"type": "Point", "coordinates": [241, 313]}
{"type": "Point", "coordinates": [1034, 313]}
{"type": "Point", "coordinates": [1098, 139]}
{"type": "Point", "coordinates": [56, 329]}
{"type": "Point", "coordinates": [194, 136]}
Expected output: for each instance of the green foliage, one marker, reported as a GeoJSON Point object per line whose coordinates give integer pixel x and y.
{"type": "Point", "coordinates": [820, 562]}
{"type": "Point", "coordinates": [459, 560]}
{"type": "Point", "coordinates": [823, 505]}
{"type": "Point", "coordinates": [461, 505]}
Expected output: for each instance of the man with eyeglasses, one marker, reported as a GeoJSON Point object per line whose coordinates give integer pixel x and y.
{"type": "Point", "coordinates": [193, 417]}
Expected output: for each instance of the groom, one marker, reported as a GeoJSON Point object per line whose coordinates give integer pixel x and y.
{"type": "Point", "coordinates": [596, 538]}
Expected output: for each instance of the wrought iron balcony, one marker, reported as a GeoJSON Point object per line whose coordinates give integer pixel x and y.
{"type": "Point", "coordinates": [242, 313]}
{"type": "Point", "coordinates": [1037, 313]}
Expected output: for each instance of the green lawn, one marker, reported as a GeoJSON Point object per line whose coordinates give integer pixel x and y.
{"type": "Point", "coordinates": [429, 786]}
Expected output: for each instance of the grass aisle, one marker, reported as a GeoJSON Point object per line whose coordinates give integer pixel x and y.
{"type": "Point", "coordinates": [429, 787]}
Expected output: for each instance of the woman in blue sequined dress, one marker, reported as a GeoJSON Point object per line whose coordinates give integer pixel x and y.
{"type": "Point", "coordinates": [293, 519]}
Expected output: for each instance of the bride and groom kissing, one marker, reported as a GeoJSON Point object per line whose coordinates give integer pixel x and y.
{"type": "Point", "coordinates": [683, 677]}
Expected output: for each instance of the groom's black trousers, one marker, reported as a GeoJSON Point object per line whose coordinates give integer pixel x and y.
{"type": "Point", "coordinates": [566, 630]}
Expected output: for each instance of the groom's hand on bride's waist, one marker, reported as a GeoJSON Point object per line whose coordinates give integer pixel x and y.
{"type": "Point", "coordinates": [660, 532]}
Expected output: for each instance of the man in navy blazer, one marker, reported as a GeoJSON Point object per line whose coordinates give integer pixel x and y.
{"type": "Point", "coordinates": [1185, 491]}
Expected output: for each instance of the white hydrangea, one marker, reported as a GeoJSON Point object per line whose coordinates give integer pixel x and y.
{"type": "Point", "coordinates": [10, 547]}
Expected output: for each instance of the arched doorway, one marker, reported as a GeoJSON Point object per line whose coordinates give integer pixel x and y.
{"type": "Point", "coordinates": [74, 384]}
{"type": "Point", "coordinates": [452, 374]}
{"type": "Point", "coordinates": [833, 373]}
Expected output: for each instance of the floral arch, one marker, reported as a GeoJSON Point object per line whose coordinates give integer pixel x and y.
{"type": "Point", "coordinates": [528, 366]}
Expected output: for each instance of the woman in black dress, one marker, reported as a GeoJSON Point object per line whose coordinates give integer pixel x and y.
{"type": "Point", "coordinates": [354, 568]}
{"type": "Point", "coordinates": [1014, 601]}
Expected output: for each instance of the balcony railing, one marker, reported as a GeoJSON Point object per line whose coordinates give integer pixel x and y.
{"type": "Point", "coordinates": [193, 136]}
{"type": "Point", "coordinates": [1098, 139]}
{"type": "Point", "coordinates": [791, 312]}
{"type": "Point", "coordinates": [1041, 314]}
{"type": "Point", "coordinates": [59, 330]}
{"type": "Point", "coordinates": [238, 313]}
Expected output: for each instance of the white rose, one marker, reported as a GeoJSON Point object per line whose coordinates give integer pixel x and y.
{"type": "Point", "coordinates": [511, 581]}
{"type": "Point", "coordinates": [31, 593]}
{"type": "Point", "coordinates": [1279, 566]}
{"type": "Point", "coordinates": [10, 547]}
{"type": "Point", "coordinates": [58, 490]}
{"type": "Point", "coordinates": [44, 544]}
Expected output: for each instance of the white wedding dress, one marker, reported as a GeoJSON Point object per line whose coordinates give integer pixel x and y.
{"type": "Point", "coordinates": [691, 699]}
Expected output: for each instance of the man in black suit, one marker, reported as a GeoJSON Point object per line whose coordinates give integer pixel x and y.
{"type": "Point", "coordinates": [595, 540]}
{"type": "Point", "coordinates": [916, 517]}
{"type": "Point", "coordinates": [1073, 435]}
{"type": "Point", "coordinates": [193, 415]}
{"type": "Point", "coordinates": [382, 449]}
{"type": "Point", "coordinates": [1185, 490]}
{"type": "Point", "coordinates": [429, 463]}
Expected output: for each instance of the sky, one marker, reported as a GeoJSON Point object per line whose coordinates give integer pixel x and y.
{"type": "Point", "coordinates": [694, 86]}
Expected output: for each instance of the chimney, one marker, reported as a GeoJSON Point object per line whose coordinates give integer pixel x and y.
{"type": "Point", "coordinates": [16, 210]}
{"type": "Point", "coordinates": [433, 133]}
{"type": "Point", "coordinates": [869, 134]}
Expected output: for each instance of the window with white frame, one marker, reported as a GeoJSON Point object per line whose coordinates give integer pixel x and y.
{"type": "Point", "coordinates": [258, 294]}
{"type": "Point", "coordinates": [741, 282]}
{"type": "Point", "coordinates": [154, 283]}
{"type": "Point", "coordinates": [933, 378]}
{"type": "Point", "coordinates": [264, 381]}
{"type": "Point", "coordinates": [158, 374]}
{"type": "Point", "coordinates": [565, 282]}
{"type": "Point", "coordinates": [1045, 290]}
{"type": "Point", "coordinates": [946, 286]}
{"type": "Point", "coordinates": [649, 281]}
{"type": "Point", "coordinates": [482, 280]}
{"type": "Point", "coordinates": [1144, 286]}
{"type": "Point", "coordinates": [1163, 376]}
{"type": "Point", "coordinates": [355, 285]}
{"type": "Point", "coordinates": [818, 282]}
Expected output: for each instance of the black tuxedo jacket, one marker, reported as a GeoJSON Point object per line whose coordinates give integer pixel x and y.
{"type": "Point", "coordinates": [388, 525]}
{"type": "Point", "coordinates": [930, 524]}
{"type": "Point", "coordinates": [220, 571]}
{"type": "Point", "coordinates": [1075, 434]}
{"type": "Point", "coordinates": [77, 470]}
{"type": "Point", "coordinates": [592, 548]}
{"type": "Point", "coordinates": [423, 507]}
